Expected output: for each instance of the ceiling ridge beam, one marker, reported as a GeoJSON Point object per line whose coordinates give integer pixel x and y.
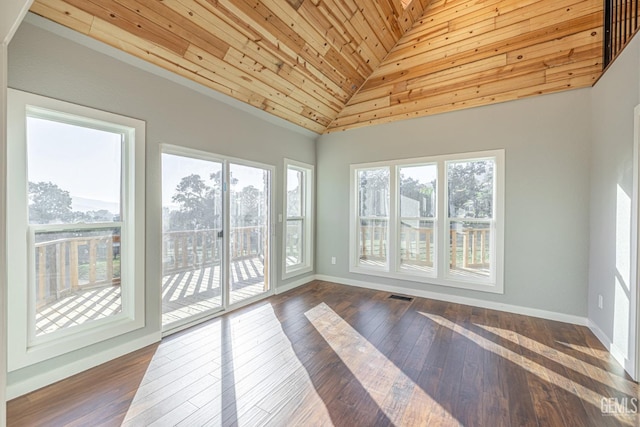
{"type": "Point", "coordinates": [427, 4]}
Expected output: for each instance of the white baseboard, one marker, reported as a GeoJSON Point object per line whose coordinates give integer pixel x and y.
{"type": "Point", "coordinates": [77, 366]}
{"type": "Point", "coordinates": [294, 284]}
{"type": "Point", "coordinates": [528, 311]}
{"type": "Point", "coordinates": [617, 354]}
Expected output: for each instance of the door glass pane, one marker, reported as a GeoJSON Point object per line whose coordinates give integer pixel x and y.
{"type": "Point", "coordinates": [470, 191]}
{"type": "Point", "coordinates": [74, 175]}
{"type": "Point", "coordinates": [417, 246]}
{"type": "Point", "coordinates": [192, 238]}
{"type": "Point", "coordinates": [249, 234]}
{"type": "Point", "coordinates": [470, 249]}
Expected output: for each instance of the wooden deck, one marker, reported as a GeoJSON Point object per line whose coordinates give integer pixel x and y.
{"type": "Point", "coordinates": [325, 354]}
{"type": "Point", "coordinates": [184, 294]}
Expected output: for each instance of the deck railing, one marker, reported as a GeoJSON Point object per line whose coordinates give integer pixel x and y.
{"type": "Point", "coordinates": [620, 24]}
{"type": "Point", "coordinates": [469, 246]}
{"type": "Point", "coordinates": [66, 265]}
{"type": "Point", "coordinates": [196, 248]}
{"type": "Point", "coordinates": [63, 266]}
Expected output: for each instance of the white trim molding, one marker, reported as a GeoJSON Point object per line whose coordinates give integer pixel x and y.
{"type": "Point", "coordinates": [38, 381]}
{"type": "Point", "coordinates": [634, 280]}
{"type": "Point", "coordinates": [509, 308]}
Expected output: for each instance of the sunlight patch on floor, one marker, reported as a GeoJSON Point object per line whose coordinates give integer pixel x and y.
{"type": "Point", "coordinates": [546, 374]}
{"type": "Point", "coordinates": [379, 376]}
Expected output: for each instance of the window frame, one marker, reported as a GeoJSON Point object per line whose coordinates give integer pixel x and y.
{"type": "Point", "coordinates": [441, 276]}
{"type": "Point", "coordinates": [24, 347]}
{"type": "Point", "coordinates": [307, 217]}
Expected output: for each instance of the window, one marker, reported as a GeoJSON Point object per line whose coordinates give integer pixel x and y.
{"type": "Point", "coordinates": [298, 227]}
{"type": "Point", "coordinates": [436, 220]}
{"type": "Point", "coordinates": [76, 191]}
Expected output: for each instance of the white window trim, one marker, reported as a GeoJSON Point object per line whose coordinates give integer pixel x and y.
{"type": "Point", "coordinates": [494, 285]}
{"type": "Point", "coordinates": [23, 351]}
{"type": "Point", "coordinates": [308, 207]}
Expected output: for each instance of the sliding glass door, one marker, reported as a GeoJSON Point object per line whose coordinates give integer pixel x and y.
{"type": "Point", "coordinates": [249, 237]}
{"type": "Point", "coordinates": [216, 234]}
{"type": "Point", "coordinates": [192, 255]}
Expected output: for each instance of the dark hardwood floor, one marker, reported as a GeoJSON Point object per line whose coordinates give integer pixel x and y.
{"type": "Point", "coordinates": [327, 354]}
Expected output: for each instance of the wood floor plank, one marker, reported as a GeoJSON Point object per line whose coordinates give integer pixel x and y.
{"type": "Point", "coordinates": [327, 354]}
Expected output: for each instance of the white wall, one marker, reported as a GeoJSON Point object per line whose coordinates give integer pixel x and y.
{"type": "Point", "coordinates": [613, 100]}
{"type": "Point", "coordinates": [546, 141]}
{"type": "Point", "coordinates": [11, 13]}
{"type": "Point", "coordinates": [50, 65]}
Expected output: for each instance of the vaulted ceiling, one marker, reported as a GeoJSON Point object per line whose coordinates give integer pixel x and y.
{"type": "Point", "coordinates": [330, 65]}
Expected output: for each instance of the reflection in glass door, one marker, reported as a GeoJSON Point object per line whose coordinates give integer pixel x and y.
{"type": "Point", "coordinates": [249, 238]}
{"type": "Point", "coordinates": [192, 256]}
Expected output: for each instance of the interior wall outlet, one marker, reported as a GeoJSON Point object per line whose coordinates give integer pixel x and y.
{"type": "Point", "coordinates": [333, 260]}
{"type": "Point", "coordinates": [600, 299]}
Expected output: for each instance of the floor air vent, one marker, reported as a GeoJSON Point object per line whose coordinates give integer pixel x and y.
{"type": "Point", "coordinates": [400, 297]}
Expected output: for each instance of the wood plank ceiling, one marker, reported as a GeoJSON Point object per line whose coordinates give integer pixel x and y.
{"type": "Point", "coordinates": [330, 65]}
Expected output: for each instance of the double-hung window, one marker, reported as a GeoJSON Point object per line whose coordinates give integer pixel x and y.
{"type": "Point", "coordinates": [76, 227]}
{"type": "Point", "coordinates": [436, 219]}
{"type": "Point", "coordinates": [298, 227]}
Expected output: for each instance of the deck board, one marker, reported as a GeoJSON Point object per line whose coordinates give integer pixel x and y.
{"type": "Point", "coordinates": [184, 294]}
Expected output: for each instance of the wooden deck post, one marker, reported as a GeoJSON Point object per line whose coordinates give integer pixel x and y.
{"type": "Point", "coordinates": [73, 265]}
{"type": "Point", "coordinates": [92, 261]}
{"type": "Point", "coordinates": [109, 245]}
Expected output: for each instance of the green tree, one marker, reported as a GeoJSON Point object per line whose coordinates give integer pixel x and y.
{"type": "Point", "coordinates": [196, 200]}
{"type": "Point", "coordinates": [471, 189]}
{"type": "Point", "coordinates": [48, 203]}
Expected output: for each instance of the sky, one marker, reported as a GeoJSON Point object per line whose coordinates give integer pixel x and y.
{"type": "Point", "coordinates": [59, 153]}
{"type": "Point", "coordinates": [174, 168]}
{"type": "Point", "coordinates": [87, 163]}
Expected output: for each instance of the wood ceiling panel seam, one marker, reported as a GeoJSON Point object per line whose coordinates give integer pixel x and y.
{"type": "Point", "coordinates": [577, 69]}
{"type": "Point", "coordinates": [259, 101]}
{"type": "Point", "coordinates": [240, 61]}
{"type": "Point", "coordinates": [310, 35]}
{"type": "Point", "coordinates": [473, 79]}
{"type": "Point", "coordinates": [378, 24]}
{"type": "Point", "coordinates": [453, 73]}
{"type": "Point", "coordinates": [442, 36]}
{"type": "Point", "coordinates": [558, 16]}
{"type": "Point", "coordinates": [389, 16]}
{"type": "Point", "coordinates": [361, 86]}
{"type": "Point", "coordinates": [294, 59]}
{"type": "Point", "coordinates": [304, 51]}
{"type": "Point", "coordinates": [578, 82]}
{"type": "Point", "coordinates": [482, 101]}
{"type": "Point", "coordinates": [65, 14]}
{"type": "Point", "coordinates": [530, 10]}
{"type": "Point", "coordinates": [240, 77]}
{"type": "Point", "coordinates": [265, 90]}
{"type": "Point", "coordinates": [364, 29]}
{"type": "Point", "coordinates": [475, 49]}
{"type": "Point", "coordinates": [133, 23]}
{"type": "Point", "coordinates": [242, 43]}
{"type": "Point", "coordinates": [348, 36]}
{"type": "Point", "coordinates": [483, 90]}
{"type": "Point", "coordinates": [299, 60]}
{"type": "Point", "coordinates": [589, 37]}
{"type": "Point", "coordinates": [179, 25]}
{"type": "Point", "coordinates": [351, 58]}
